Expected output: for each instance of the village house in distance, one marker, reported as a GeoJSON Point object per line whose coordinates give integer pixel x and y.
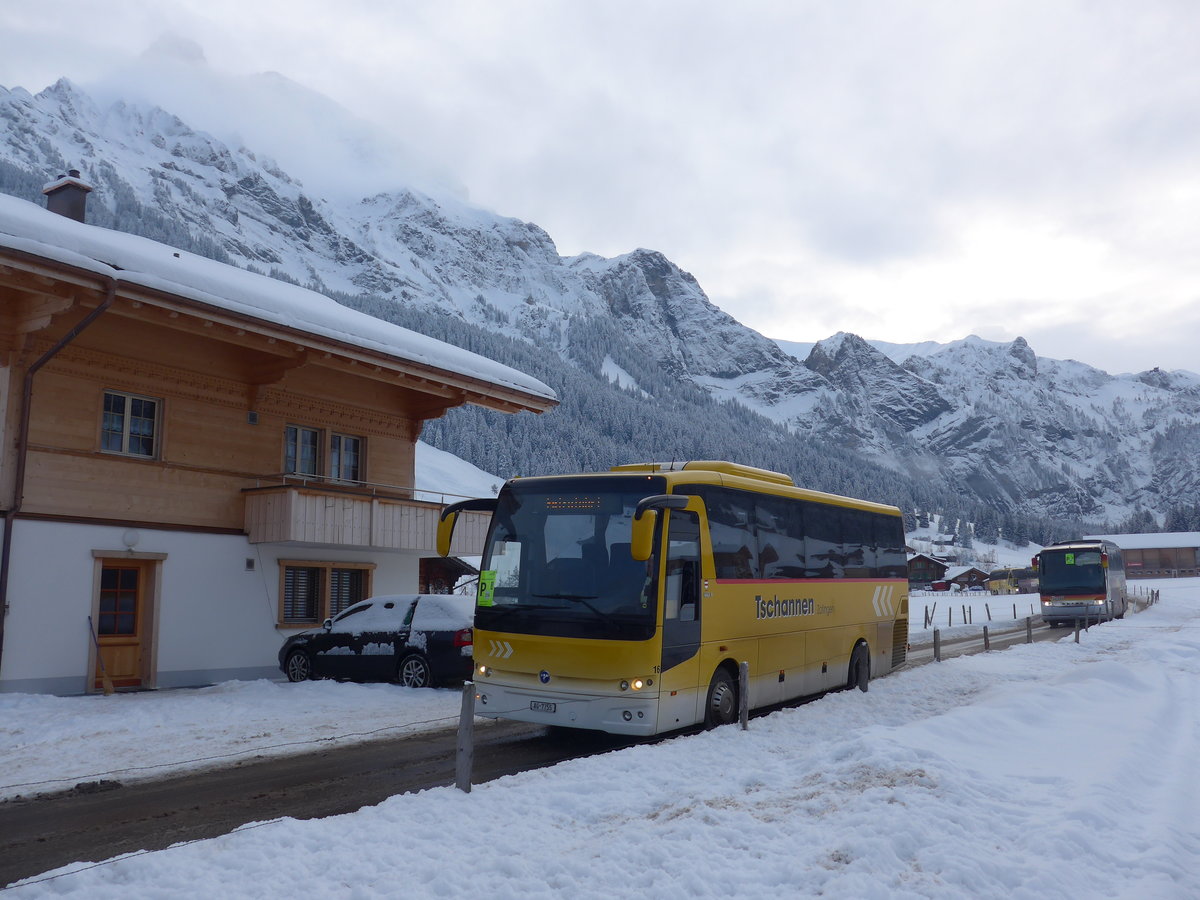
{"type": "Point", "coordinates": [198, 460]}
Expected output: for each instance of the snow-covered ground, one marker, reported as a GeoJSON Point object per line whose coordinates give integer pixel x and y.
{"type": "Point", "coordinates": [963, 612]}
{"type": "Point", "coordinates": [1046, 770]}
{"type": "Point", "coordinates": [52, 743]}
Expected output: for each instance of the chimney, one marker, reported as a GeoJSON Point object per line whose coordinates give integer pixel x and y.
{"type": "Point", "coordinates": [68, 196]}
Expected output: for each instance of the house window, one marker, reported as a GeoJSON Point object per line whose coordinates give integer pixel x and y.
{"type": "Point", "coordinates": [302, 454]}
{"type": "Point", "coordinates": [311, 592]}
{"type": "Point", "coordinates": [130, 425]}
{"type": "Point", "coordinates": [346, 587]}
{"type": "Point", "coordinates": [345, 455]}
{"type": "Point", "coordinates": [301, 450]}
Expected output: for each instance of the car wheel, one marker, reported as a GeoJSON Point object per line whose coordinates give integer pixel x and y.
{"type": "Point", "coordinates": [298, 666]}
{"type": "Point", "coordinates": [413, 671]}
{"type": "Point", "coordinates": [722, 705]}
{"type": "Point", "coordinates": [860, 669]}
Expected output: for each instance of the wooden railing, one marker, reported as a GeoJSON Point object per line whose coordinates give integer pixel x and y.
{"type": "Point", "coordinates": [318, 511]}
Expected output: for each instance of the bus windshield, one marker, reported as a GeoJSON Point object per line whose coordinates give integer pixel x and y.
{"type": "Point", "coordinates": [558, 562]}
{"type": "Point", "coordinates": [1071, 572]}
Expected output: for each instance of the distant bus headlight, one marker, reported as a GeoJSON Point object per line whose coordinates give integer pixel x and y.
{"type": "Point", "coordinates": [638, 684]}
{"type": "Point", "coordinates": [624, 685]}
{"type": "Point", "coordinates": [485, 671]}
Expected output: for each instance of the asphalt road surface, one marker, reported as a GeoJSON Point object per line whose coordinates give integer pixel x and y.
{"type": "Point", "coordinates": [98, 820]}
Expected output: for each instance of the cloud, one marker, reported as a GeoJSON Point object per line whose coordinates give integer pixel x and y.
{"type": "Point", "coordinates": [903, 171]}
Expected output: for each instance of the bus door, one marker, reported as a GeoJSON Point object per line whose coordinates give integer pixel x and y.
{"type": "Point", "coordinates": [679, 679]}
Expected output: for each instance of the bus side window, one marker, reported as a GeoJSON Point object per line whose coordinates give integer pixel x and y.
{"type": "Point", "coordinates": [682, 594]}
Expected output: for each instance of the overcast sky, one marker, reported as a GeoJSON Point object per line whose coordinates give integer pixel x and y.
{"type": "Point", "coordinates": [904, 171]}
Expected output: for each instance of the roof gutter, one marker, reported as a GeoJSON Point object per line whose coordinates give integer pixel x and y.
{"type": "Point", "coordinates": [110, 296]}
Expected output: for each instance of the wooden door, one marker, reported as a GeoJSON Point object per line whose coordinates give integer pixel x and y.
{"type": "Point", "coordinates": [121, 620]}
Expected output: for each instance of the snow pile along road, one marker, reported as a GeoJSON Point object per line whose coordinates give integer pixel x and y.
{"type": "Point", "coordinates": [52, 743]}
{"type": "Point", "coordinates": [1047, 770]}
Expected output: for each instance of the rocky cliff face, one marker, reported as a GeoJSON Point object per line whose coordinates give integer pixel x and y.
{"type": "Point", "coordinates": [1041, 436]}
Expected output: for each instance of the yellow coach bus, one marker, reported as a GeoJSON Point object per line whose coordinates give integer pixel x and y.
{"type": "Point", "coordinates": [625, 601]}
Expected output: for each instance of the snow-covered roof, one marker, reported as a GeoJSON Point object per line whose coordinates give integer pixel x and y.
{"type": "Point", "coordinates": [1150, 541]}
{"type": "Point", "coordinates": [134, 260]}
{"type": "Point", "coordinates": [959, 571]}
{"type": "Point", "coordinates": [928, 556]}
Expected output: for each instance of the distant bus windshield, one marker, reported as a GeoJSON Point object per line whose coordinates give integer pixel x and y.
{"type": "Point", "coordinates": [558, 561]}
{"type": "Point", "coordinates": [1071, 572]}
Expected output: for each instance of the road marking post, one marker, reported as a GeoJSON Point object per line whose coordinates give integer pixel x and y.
{"type": "Point", "coordinates": [465, 758]}
{"type": "Point", "coordinates": [987, 643]}
{"type": "Point", "coordinates": [744, 694]}
{"type": "Point", "coordinates": [937, 644]}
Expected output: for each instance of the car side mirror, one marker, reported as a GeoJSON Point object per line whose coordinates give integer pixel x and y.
{"type": "Point", "coordinates": [327, 624]}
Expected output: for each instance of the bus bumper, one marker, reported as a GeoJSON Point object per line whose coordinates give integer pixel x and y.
{"type": "Point", "coordinates": [631, 714]}
{"type": "Point", "coordinates": [1070, 613]}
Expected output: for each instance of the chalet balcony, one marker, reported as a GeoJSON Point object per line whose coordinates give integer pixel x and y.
{"type": "Point", "coordinates": [317, 511]}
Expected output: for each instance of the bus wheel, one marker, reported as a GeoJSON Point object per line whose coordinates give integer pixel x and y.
{"type": "Point", "coordinates": [722, 705]}
{"type": "Point", "coordinates": [860, 668]}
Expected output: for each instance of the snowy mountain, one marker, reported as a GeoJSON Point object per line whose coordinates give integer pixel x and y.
{"type": "Point", "coordinates": [995, 422]}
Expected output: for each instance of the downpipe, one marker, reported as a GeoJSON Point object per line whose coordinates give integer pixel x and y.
{"type": "Point", "coordinates": [110, 296]}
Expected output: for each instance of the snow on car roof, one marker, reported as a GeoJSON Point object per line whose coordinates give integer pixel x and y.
{"type": "Point", "coordinates": [444, 612]}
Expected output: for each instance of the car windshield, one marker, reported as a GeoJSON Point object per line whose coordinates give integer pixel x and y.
{"type": "Point", "coordinates": [558, 561]}
{"type": "Point", "coordinates": [1071, 572]}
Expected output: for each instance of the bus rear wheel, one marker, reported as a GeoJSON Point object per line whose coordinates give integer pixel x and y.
{"type": "Point", "coordinates": [859, 675]}
{"type": "Point", "coordinates": [722, 705]}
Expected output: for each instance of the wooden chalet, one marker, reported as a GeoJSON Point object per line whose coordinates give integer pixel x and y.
{"type": "Point", "coordinates": [924, 569]}
{"type": "Point", "coordinates": [197, 460]}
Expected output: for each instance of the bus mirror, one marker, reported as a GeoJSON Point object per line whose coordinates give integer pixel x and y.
{"type": "Point", "coordinates": [449, 518]}
{"type": "Point", "coordinates": [645, 518]}
{"type": "Point", "coordinates": [445, 532]}
{"type": "Point", "coordinates": [642, 539]}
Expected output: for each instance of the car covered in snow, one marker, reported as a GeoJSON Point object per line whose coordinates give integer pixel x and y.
{"type": "Point", "coordinates": [415, 639]}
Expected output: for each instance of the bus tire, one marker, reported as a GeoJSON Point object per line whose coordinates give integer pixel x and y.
{"type": "Point", "coordinates": [859, 675]}
{"type": "Point", "coordinates": [721, 707]}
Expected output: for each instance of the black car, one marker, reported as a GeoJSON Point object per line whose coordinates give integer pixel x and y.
{"type": "Point", "coordinates": [414, 639]}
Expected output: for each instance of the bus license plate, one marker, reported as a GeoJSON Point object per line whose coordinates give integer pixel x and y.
{"type": "Point", "coordinates": [541, 706]}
